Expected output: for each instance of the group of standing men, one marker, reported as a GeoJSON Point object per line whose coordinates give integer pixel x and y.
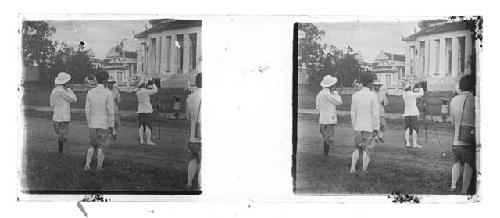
{"type": "Point", "coordinates": [103, 117]}
{"type": "Point", "coordinates": [368, 121]}
{"type": "Point", "coordinates": [365, 116]}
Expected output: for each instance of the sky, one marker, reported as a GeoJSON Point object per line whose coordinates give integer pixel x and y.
{"type": "Point", "coordinates": [368, 37]}
{"type": "Point", "coordinates": [101, 36]}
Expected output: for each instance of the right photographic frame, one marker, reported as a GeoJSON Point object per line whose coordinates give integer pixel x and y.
{"type": "Point", "coordinates": [387, 107]}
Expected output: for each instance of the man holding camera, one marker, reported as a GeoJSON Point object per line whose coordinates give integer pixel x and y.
{"type": "Point", "coordinates": [60, 99]}
{"type": "Point", "coordinates": [145, 111]}
{"type": "Point", "coordinates": [326, 102]}
{"type": "Point", "coordinates": [411, 112]}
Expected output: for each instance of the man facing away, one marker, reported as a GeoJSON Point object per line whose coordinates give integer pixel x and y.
{"type": "Point", "coordinates": [193, 106]}
{"type": "Point", "coordinates": [116, 99]}
{"type": "Point", "coordinates": [463, 112]}
{"type": "Point", "coordinates": [60, 99]}
{"type": "Point", "coordinates": [326, 102]}
{"type": "Point", "coordinates": [365, 120]}
{"type": "Point", "coordinates": [411, 113]}
{"type": "Point", "coordinates": [99, 111]}
{"type": "Point", "coordinates": [383, 101]}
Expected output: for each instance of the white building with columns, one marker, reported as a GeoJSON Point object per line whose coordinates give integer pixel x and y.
{"type": "Point", "coordinates": [170, 50]}
{"type": "Point", "coordinates": [439, 54]}
{"type": "Point", "coordinates": [389, 68]}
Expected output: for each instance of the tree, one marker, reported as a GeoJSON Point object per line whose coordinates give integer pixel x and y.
{"type": "Point", "coordinates": [71, 60]}
{"type": "Point", "coordinates": [36, 42]}
{"type": "Point", "coordinates": [348, 69]}
{"type": "Point", "coordinates": [317, 58]}
{"type": "Point", "coordinates": [37, 46]}
{"type": "Point", "coordinates": [323, 59]}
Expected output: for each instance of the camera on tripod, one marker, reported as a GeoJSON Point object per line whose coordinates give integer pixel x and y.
{"type": "Point", "coordinates": [422, 84]}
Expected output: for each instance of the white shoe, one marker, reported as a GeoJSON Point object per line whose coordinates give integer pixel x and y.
{"type": "Point", "coordinates": [417, 146]}
{"type": "Point", "coordinates": [150, 143]}
{"type": "Point", "coordinates": [408, 146]}
{"type": "Point", "coordinates": [87, 167]}
{"type": "Point", "coordinates": [352, 171]}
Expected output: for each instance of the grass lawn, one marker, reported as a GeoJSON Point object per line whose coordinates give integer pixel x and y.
{"type": "Point", "coordinates": [39, 95]}
{"type": "Point", "coordinates": [51, 171]}
{"type": "Point", "coordinates": [393, 167]}
{"type": "Point", "coordinates": [128, 166]}
{"type": "Point", "coordinates": [307, 100]}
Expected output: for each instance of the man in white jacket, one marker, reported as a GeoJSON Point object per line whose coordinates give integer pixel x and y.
{"type": "Point", "coordinates": [326, 102]}
{"type": "Point", "coordinates": [193, 107]}
{"type": "Point", "coordinates": [60, 99]}
{"type": "Point", "coordinates": [365, 121]}
{"type": "Point", "coordinates": [99, 111]}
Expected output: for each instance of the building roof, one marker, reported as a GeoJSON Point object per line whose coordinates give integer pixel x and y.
{"type": "Point", "coordinates": [384, 56]}
{"type": "Point", "coordinates": [446, 27]}
{"type": "Point", "coordinates": [168, 24]}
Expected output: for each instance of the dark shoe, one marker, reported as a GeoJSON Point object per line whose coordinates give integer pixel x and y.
{"type": "Point", "coordinates": [381, 139]}
{"type": "Point", "coordinates": [326, 149]}
{"type": "Point", "coordinates": [60, 146]}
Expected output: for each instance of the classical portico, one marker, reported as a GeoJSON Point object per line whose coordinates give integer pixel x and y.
{"type": "Point", "coordinates": [442, 51]}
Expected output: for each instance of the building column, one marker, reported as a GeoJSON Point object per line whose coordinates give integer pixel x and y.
{"type": "Point", "coordinates": [145, 58]}
{"type": "Point", "coordinates": [433, 57]}
{"type": "Point", "coordinates": [427, 56]}
{"type": "Point", "coordinates": [416, 60]}
{"type": "Point", "coordinates": [198, 52]}
{"type": "Point", "coordinates": [173, 54]}
{"type": "Point", "coordinates": [187, 51]}
{"type": "Point", "coordinates": [158, 55]}
{"type": "Point", "coordinates": [468, 53]}
{"type": "Point", "coordinates": [163, 59]}
{"type": "Point", "coordinates": [442, 57]}
{"type": "Point", "coordinates": [150, 61]}
{"type": "Point", "coordinates": [139, 57]}
{"type": "Point", "coordinates": [454, 60]}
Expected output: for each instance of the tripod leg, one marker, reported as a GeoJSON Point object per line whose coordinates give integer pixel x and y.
{"type": "Point", "coordinates": [425, 125]}
{"type": "Point", "coordinates": [435, 128]}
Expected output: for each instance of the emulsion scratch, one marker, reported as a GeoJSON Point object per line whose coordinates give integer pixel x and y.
{"type": "Point", "coordinates": [80, 206]}
{"type": "Point", "coordinates": [263, 68]}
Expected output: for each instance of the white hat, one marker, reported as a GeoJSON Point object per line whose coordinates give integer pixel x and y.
{"type": "Point", "coordinates": [377, 82]}
{"type": "Point", "coordinates": [62, 78]}
{"type": "Point", "coordinates": [328, 81]}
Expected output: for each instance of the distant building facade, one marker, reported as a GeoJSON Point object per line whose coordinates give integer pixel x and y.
{"type": "Point", "coordinates": [439, 53]}
{"type": "Point", "coordinates": [170, 50]}
{"type": "Point", "coordinates": [121, 62]}
{"type": "Point", "coordinates": [389, 68]}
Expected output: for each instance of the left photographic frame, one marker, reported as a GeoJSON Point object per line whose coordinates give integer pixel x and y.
{"type": "Point", "coordinates": [110, 106]}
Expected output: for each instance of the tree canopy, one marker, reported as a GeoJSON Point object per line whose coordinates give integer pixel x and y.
{"type": "Point", "coordinates": [36, 42]}
{"type": "Point", "coordinates": [321, 59]}
{"type": "Point", "coordinates": [51, 56]}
